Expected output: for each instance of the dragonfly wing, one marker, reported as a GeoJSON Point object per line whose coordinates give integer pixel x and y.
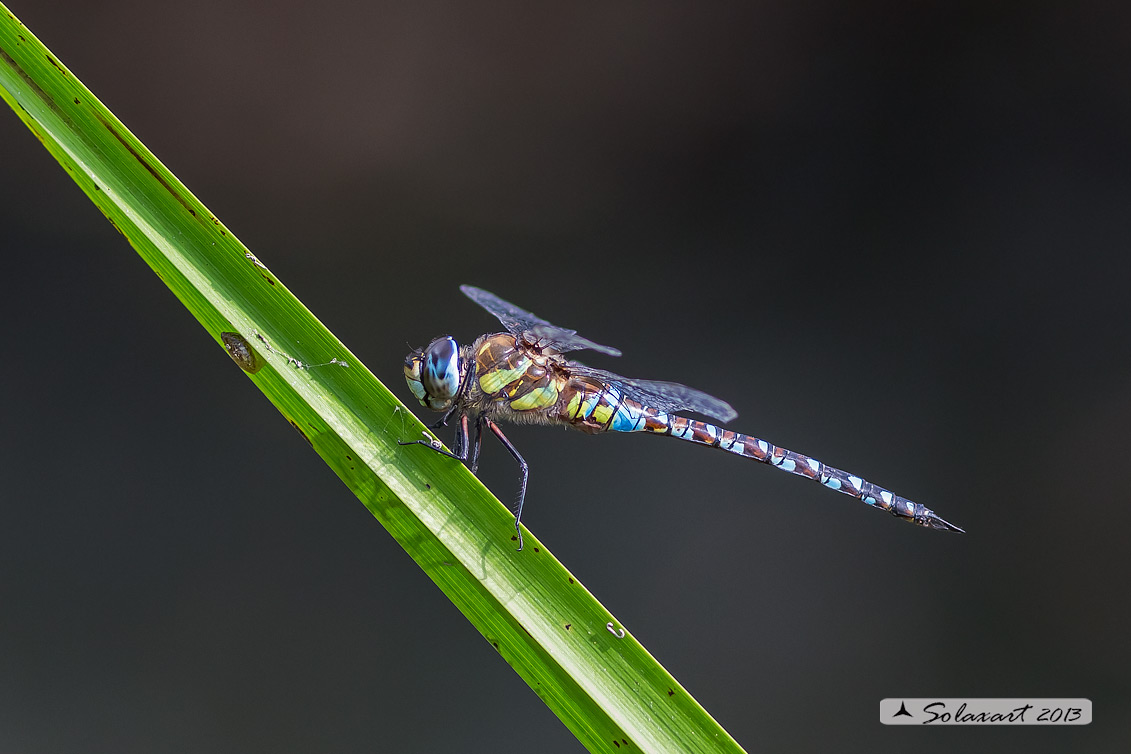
{"type": "Point", "coordinates": [563, 340]}
{"type": "Point", "coordinates": [516, 320]}
{"type": "Point", "coordinates": [537, 330]}
{"type": "Point", "coordinates": [663, 396]}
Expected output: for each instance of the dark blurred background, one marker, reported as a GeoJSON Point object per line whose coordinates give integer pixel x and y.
{"type": "Point", "coordinates": [895, 239]}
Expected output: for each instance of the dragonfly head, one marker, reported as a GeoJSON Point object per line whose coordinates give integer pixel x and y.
{"type": "Point", "coordinates": [433, 375]}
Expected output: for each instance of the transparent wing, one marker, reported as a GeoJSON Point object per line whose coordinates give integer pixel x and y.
{"type": "Point", "coordinates": [521, 322]}
{"type": "Point", "coordinates": [516, 320]}
{"type": "Point", "coordinates": [664, 396]}
{"type": "Point", "coordinates": [562, 340]}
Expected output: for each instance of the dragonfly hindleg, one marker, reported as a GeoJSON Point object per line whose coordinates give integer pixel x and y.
{"type": "Point", "coordinates": [464, 444]}
{"type": "Point", "coordinates": [525, 475]}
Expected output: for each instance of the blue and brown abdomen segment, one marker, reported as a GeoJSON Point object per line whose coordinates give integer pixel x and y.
{"type": "Point", "coordinates": [631, 416]}
{"type": "Point", "coordinates": [594, 406]}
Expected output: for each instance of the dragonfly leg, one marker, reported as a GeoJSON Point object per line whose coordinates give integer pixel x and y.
{"type": "Point", "coordinates": [443, 420]}
{"type": "Point", "coordinates": [476, 444]}
{"type": "Point", "coordinates": [525, 474]}
{"type": "Point", "coordinates": [460, 453]}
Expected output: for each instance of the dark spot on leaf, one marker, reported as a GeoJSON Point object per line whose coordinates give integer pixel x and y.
{"type": "Point", "coordinates": [671, 692]}
{"type": "Point", "coordinates": [299, 430]}
{"type": "Point", "coordinates": [536, 549]}
{"type": "Point", "coordinates": [144, 163]}
{"type": "Point", "coordinates": [571, 580]}
{"type": "Point", "coordinates": [427, 486]}
{"type": "Point", "coordinates": [616, 744]}
{"type": "Point", "coordinates": [568, 626]}
{"type": "Point", "coordinates": [76, 100]}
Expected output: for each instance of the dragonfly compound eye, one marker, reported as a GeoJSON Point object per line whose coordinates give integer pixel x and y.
{"type": "Point", "coordinates": [439, 374]}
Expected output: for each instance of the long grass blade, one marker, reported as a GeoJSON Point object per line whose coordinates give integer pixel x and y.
{"type": "Point", "coordinates": [608, 690]}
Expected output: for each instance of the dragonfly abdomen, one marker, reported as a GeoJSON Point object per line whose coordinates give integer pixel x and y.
{"type": "Point", "coordinates": [633, 417]}
{"type": "Point", "coordinates": [589, 404]}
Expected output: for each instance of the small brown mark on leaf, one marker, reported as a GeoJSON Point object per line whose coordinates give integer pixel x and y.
{"type": "Point", "coordinates": [241, 352]}
{"type": "Point", "coordinates": [144, 163]}
{"type": "Point", "coordinates": [299, 430]}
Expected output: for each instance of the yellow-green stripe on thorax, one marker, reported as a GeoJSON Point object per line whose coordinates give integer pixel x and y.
{"type": "Point", "coordinates": [541, 388]}
{"type": "Point", "coordinates": [526, 380]}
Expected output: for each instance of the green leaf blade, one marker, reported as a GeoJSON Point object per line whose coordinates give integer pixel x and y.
{"type": "Point", "coordinates": [607, 690]}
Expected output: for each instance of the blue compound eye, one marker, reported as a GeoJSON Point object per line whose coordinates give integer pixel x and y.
{"type": "Point", "coordinates": [440, 372]}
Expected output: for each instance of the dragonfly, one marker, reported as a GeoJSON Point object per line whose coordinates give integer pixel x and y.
{"type": "Point", "coordinates": [522, 376]}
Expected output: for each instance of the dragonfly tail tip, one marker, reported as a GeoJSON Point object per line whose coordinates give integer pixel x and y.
{"type": "Point", "coordinates": [936, 522]}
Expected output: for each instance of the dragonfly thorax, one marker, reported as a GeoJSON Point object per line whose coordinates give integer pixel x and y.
{"type": "Point", "coordinates": [433, 375]}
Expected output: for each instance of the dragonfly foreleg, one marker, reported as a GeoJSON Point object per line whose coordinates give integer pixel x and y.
{"type": "Point", "coordinates": [525, 475]}
{"type": "Point", "coordinates": [443, 420]}
{"type": "Point", "coordinates": [460, 453]}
